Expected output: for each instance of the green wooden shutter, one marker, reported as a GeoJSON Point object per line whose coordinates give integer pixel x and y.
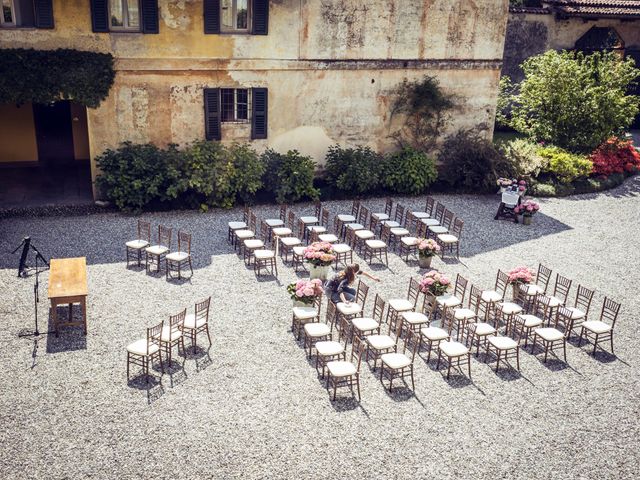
{"type": "Point", "coordinates": [99, 16]}
{"type": "Point", "coordinates": [43, 13]}
{"type": "Point", "coordinates": [149, 16]}
{"type": "Point", "coordinates": [260, 17]}
{"type": "Point", "coordinates": [211, 16]}
{"type": "Point", "coordinates": [212, 114]}
{"type": "Point", "coordinates": [260, 98]}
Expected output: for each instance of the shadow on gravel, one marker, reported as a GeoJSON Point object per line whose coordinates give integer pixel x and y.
{"type": "Point", "coordinates": [149, 383]}
{"type": "Point", "coordinates": [346, 404]}
{"type": "Point", "coordinates": [630, 188]}
{"type": "Point", "coordinates": [70, 338]}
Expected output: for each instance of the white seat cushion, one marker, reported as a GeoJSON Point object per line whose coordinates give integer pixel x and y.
{"type": "Point", "coordinates": [482, 329]}
{"type": "Point", "coordinates": [420, 215]}
{"type": "Point", "coordinates": [503, 343]}
{"type": "Point", "coordinates": [447, 238]}
{"type": "Point", "coordinates": [237, 225]}
{"type": "Point", "coordinates": [395, 360]}
{"type": "Point", "coordinates": [400, 304]}
{"type": "Point", "coordinates": [341, 248]}
{"type": "Point", "coordinates": [453, 349]}
{"type": "Point", "coordinates": [390, 223]}
{"type": "Point", "coordinates": [253, 243]}
{"type": "Point", "coordinates": [438, 229]}
{"type": "Point", "coordinates": [430, 222]}
{"type": "Point", "coordinates": [365, 234]}
{"type": "Point", "coordinates": [168, 336]}
{"type": "Point", "coordinates": [346, 218]}
{"type": "Point", "coordinates": [399, 231]}
{"type": "Point", "coordinates": [242, 234]}
{"type": "Point", "coordinates": [534, 290]}
{"type": "Point", "coordinates": [463, 313]}
{"type": "Point", "coordinates": [137, 244]}
{"type": "Point", "coordinates": [448, 300]}
{"type": "Point", "coordinates": [380, 216]}
{"type": "Point", "coordinates": [409, 241]}
{"type": "Point", "coordinates": [299, 251]}
{"type": "Point", "coordinates": [380, 342]}
{"type": "Point", "coordinates": [531, 321]}
{"type": "Point", "coordinates": [139, 347]}
{"type": "Point", "coordinates": [554, 301]}
{"type": "Point", "coordinates": [355, 226]}
{"type": "Point", "coordinates": [491, 296]}
{"type": "Point", "coordinates": [509, 308]}
{"type": "Point", "coordinates": [434, 333]}
{"type": "Point", "coordinates": [190, 321]}
{"type": "Point", "coordinates": [329, 238]}
{"type": "Point", "coordinates": [415, 318]}
{"type": "Point", "coordinates": [364, 324]}
{"type": "Point", "coordinates": [290, 241]}
{"type": "Point", "coordinates": [350, 309]}
{"type": "Point", "coordinates": [596, 326]}
{"type": "Point", "coordinates": [309, 219]}
{"type": "Point", "coordinates": [157, 249]}
{"type": "Point", "coordinates": [549, 334]}
{"type": "Point", "coordinates": [317, 329]}
{"type": "Point", "coordinates": [177, 256]}
{"type": "Point", "coordinates": [317, 229]}
{"type": "Point", "coordinates": [376, 244]}
{"type": "Point", "coordinates": [576, 314]}
{"type": "Point", "coordinates": [329, 348]}
{"type": "Point", "coordinates": [282, 231]}
{"type": "Point", "coordinates": [304, 313]}
{"type": "Point", "coordinates": [264, 254]}
{"type": "Point", "coordinates": [341, 369]}
{"type": "Point", "coordinates": [274, 222]}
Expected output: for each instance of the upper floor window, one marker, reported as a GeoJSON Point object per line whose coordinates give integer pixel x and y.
{"type": "Point", "coordinates": [8, 13]}
{"type": "Point", "coordinates": [235, 15]}
{"type": "Point", "coordinates": [124, 15]}
{"type": "Point", "coordinates": [234, 104]}
{"type": "Point", "coordinates": [26, 13]}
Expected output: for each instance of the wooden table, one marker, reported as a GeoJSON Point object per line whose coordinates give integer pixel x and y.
{"type": "Point", "coordinates": [68, 285]}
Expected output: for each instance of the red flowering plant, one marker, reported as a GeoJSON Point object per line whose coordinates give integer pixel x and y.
{"type": "Point", "coordinates": [615, 156]}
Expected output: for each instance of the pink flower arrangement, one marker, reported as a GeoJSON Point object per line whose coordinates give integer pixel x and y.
{"type": "Point", "coordinates": [427, 247]}
{"type": "Point", "coordinates": [521, 275]}
{"type": "Point", "coordinates": [319, 254]}
{"type": "Point", "coordinates": [435, 283]}
{"type": "Point", "coordinates": [527, 208]}
{"type": "Point", "coordinates": [305, 290]}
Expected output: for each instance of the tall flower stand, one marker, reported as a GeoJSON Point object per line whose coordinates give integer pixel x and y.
{"type": "Point", "coordinates": [424, 261]}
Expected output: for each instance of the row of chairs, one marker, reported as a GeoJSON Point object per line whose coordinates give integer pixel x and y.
{"type": "Point", "coordinates": [155, 254]}
{"type": "Point", "coordinates": [164, 336]}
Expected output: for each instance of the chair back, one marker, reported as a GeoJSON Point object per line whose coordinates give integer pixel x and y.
{"type": "Point", "coordinates": [510, 199]}
{"type": "Point", "coordinates": [414, 291]}
{"type": "Point", "coordinates": [331, 312]}
{"type": "Point", "coordinates": [457, 228]}
{"type": "Point", "coordinates": [318, 207]}
{"type": "Point", "coordinates": [475, 295]}
{"type": "Point", "coordinates": [373, 223]}
{"type": "Point", "coordinates": [439, 212]}
{"type": "Point", "coordinates": [584, 296]}
{"type": "Point", "coordinates": [245, 214]}
{"type": "Point", "coordinates": [409, 220]}
{"type": "Point", "coordinates": [565, 315]}
{"type": "Point", "coordinates": [343, 331]}
{"type": "Point", "coordinates": [428, 208]}
{"type": "Point", "coordinates": [461, 287]}
{"type": "Point", "coordinates": [291, 222]}
{"type": "Point", "coordinates": [350, 238]}
{"type": "Point", "coordinates": [357, 350]}
{"type": "Point", "coordinates": [543, 277]}
{"type": "Point", "coordinates": [153, 335]}
{"type": "Point", "coordinates": [385, 233]}
{"type": "Point", "coordinates": [202, 310]}
{"type": "Point", "coordinates": [253, 221]}
{"type": "Point", "coordinates": [522, 292]}
{"type": "Point", "coordinates": [502, 280]}
{"type": "Point", "coordinates": [264, 230]}
{"type": "Point", "coordinates": [545, 300]}
{"type": "Point", "coordinates": [411, 343]}
{"type": "Point", "coordinates": [324, 218]}
{"type": "Point", "coordinates": [388, 206]}
{"type": "Point", "coordinates": [314, 236]}
{"type": "Point", "coordinates": [447, 219]}
{"type": "Point", "coordinates": [301, 229]}
{"type": "Point", "coordinates": [399, 214]}
{"type": "Point", "coordinates": [184, 242]}
{"type": "Point", "coordinates": [177, 321]}
{"type": "Point", "coordinates": [610, 310]}
{"type": "Point", "coordinates": [421, 230]}
{"type": "Point", "coordinates": [363, 216]}
{"type": "Point", "coordinates": [355, 208]}
{"type": "Point", "coordinates": [361, 294]}
{"type": "Point", "coordinates": [283, 212]}
{"type": "Point", "coordinates": [144, 231]}
{"type": "Point", "coordinates": [164, 236]}
{"type": "Point", "coordinates": [562, 287]}
{"type": "Point", "coordinates": [378, 309]}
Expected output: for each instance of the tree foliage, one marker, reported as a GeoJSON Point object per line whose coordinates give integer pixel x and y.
{"type": "Point", "coordinates": [408, 172]}
{"type": "Point", "coordinates": [354, 171]}
{"type": "Point", "coordinates": [574, 101]}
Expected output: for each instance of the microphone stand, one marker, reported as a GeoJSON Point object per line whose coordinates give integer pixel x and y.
{"type": "Point", "coordinates": [26, 244]}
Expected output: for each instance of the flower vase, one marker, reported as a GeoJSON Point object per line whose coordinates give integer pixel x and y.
{"type": "Point", "coordinates": [319, 272]}
{"type": "Point", "coordinates": [526, 219]}
{"type": "Point", "coordinates": [424, 261]}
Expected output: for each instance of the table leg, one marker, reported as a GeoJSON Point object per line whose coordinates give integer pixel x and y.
{"type": "Point", "coordinates": [84, 314]}
{"type": "Point", "coordinates": [54, 308]}
{"type": "Point", "coordinates": [70, 312]}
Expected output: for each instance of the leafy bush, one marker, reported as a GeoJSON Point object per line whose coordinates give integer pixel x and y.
{"type": "Point", "coordinates": [289, 176]}
{"type": "Point", "coordinates": [615, 156]}
{"type": "Point", "coordinates": [134, 176]}
{"type": "Point", "coordinates": [248, 171]}
{"type": "Point", "coordinates": [353, 170]}
{"type": "Point", "coordinates": [472, 164]}
{"type": "Point", "coordinates": [564, 166]}
{"type": "Point", "coordinates": [544, 189]}
{"type": "Point", "coordinates": [573, 100]}
{"type": "Point", "coordinates": [523, 156]}
{"type": "Point", "coordinates": [408, 172]}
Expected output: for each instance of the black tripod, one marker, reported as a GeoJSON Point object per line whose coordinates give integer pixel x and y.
{"type": "Point", "coordinates": [26, 245]}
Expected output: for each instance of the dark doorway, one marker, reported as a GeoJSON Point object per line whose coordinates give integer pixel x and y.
{"type": "Point", "coordinates": [53, 133]}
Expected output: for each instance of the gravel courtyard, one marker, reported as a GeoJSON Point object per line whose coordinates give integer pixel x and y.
{"type": "Point", "coordinates": [253, 407]}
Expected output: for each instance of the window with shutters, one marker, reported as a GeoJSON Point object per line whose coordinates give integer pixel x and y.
{"type": "Point", "coordinates": [17, 13]}
{"type": "Point", "coordinates": [235, 16]}
{"type": "Point", "coordinates": [124, 15]}
{"type": "Point", "coordinates": [234, 105]}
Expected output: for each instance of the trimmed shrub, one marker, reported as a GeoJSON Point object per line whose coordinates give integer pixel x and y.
{"type": "Point", "coordinates": [544, 189]}
{"type": "Point", "coordinates": [472, 164]}
{"type": "Point", "coordinates": [289, 176]}
{"type": "Point", "coordinates": [564, 166]}
{"type": "Point", "coordinates": [354, 171]}
{"type": "Point", "coordinates": [615, 156]}
{"type": "Point", "coordinates": [249, 169]}
{"type": "Point", "coordinates": [409, 172]}
{"type": "Point", "coordinates": [523, 156]}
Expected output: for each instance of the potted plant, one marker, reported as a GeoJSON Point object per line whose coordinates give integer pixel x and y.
{"type": "Point", "coordinates": [320, 256]}
{"type": "Point", "coordinates": [503, 183]}
{"type": "Point", "coordinates": [434, 283]}
{"type": "Point", "coordinates": [518, 276]}
{"type": "Point", "coordinates": [427, 249]}
{"type": "Point", "coordinates": [304, 292]}
{"type": "Point", "coordinates": [527, 209]}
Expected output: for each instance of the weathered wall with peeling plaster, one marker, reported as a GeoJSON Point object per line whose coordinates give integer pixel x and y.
{"type": "Point", "coordinates": [329, 65]}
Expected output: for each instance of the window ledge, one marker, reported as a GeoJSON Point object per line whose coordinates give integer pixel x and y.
{"type": "Point", "coordinates": [19, 28]}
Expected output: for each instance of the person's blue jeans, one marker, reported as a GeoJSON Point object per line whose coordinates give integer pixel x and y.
{"type": "Point", "coordinates": [349, 294]}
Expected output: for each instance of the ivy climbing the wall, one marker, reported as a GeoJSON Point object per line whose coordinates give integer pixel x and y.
{"type": "Point", "coordinates": [47, 76]}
